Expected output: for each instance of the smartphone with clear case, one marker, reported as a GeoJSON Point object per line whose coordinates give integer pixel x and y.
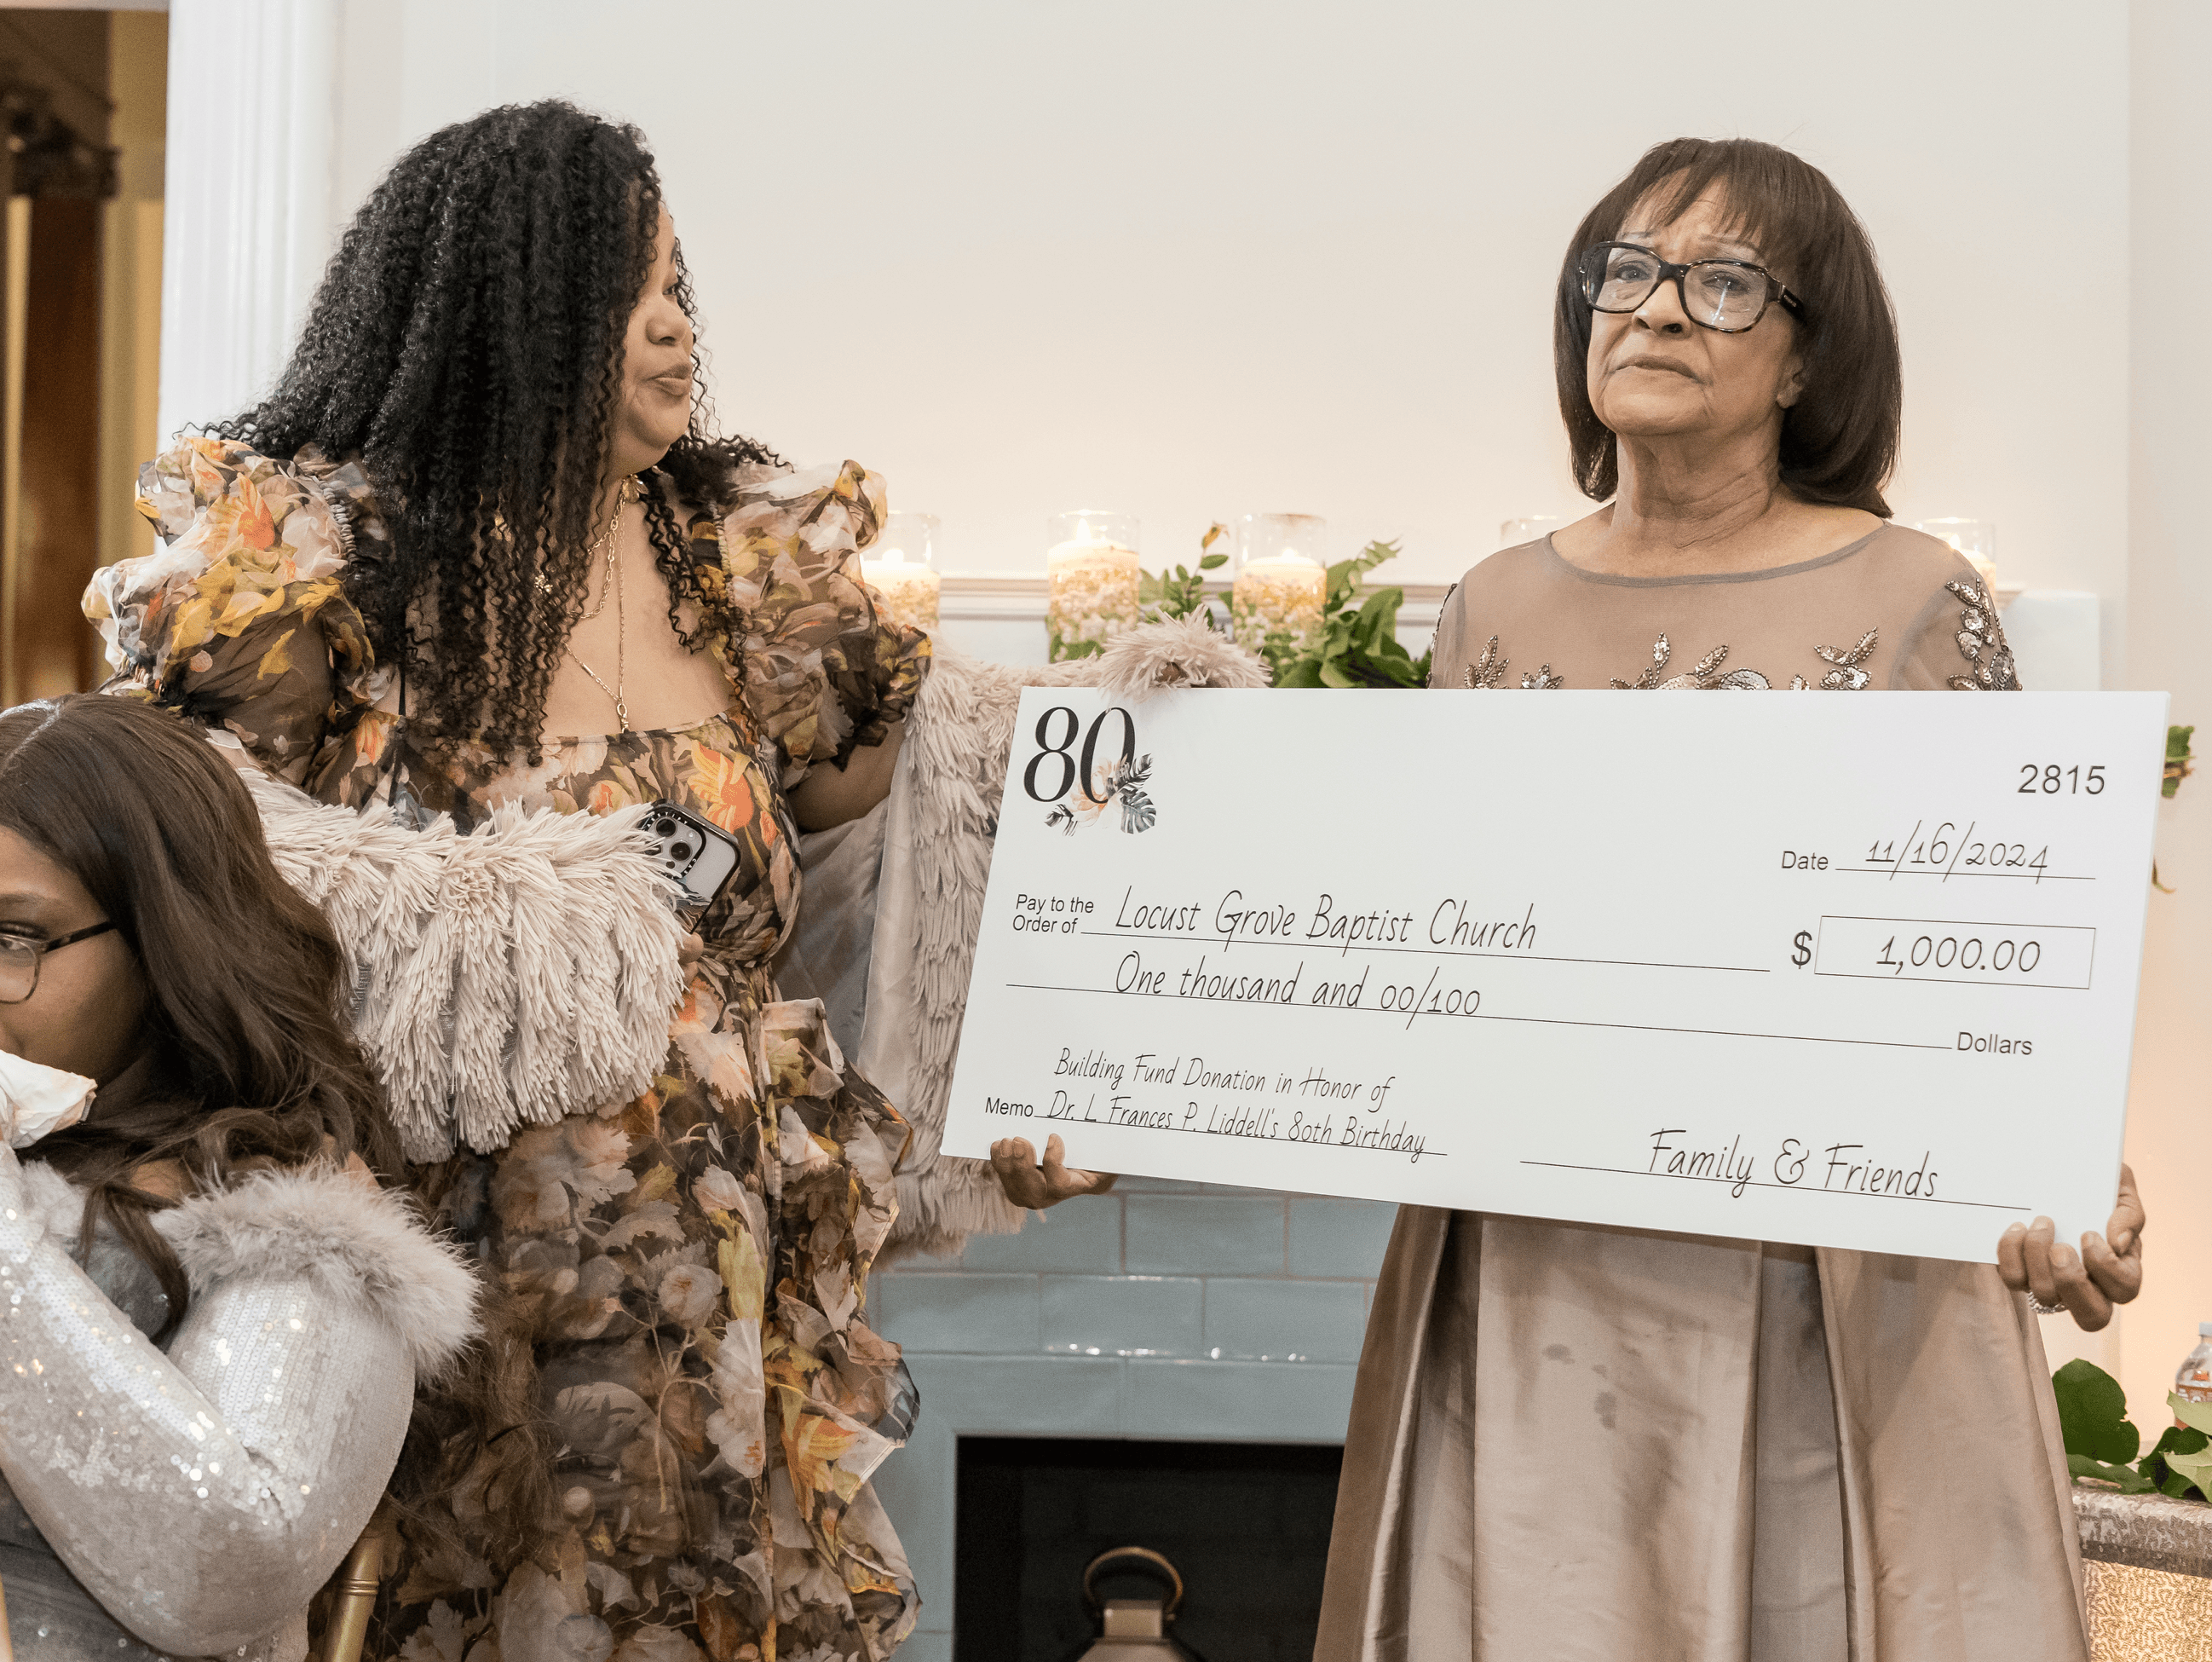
{"type": "Point", "coordinates": [700, 856]}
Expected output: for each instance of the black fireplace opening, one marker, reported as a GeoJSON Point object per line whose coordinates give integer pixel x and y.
{"type": "Point", "coordinates": [1246, 1524]}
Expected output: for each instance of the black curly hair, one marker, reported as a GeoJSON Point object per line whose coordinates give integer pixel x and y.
{"type": "Point", "coordinates": [466, 345]}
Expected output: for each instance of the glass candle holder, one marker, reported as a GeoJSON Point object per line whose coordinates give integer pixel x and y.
{"type": "Point", "coordinates": [1090, 576]}
{"type": "Point", "coordinates": [902, 568]}
{"type": "Point", "coordinates": [1512, 533]}
{"type": "Point", "coordinates": [1280, 579]}
{"type": "Point", "coordinates": [1975, 539]}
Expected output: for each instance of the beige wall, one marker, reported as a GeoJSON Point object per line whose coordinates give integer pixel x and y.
{"type": "Point", "coordinates": [1191, 261]}
{"type": "Point", "coordinates": [2169, 646]}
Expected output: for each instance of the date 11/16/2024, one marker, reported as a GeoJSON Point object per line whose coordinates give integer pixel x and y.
{"type": "Point", "coordinates": [1944, 852]}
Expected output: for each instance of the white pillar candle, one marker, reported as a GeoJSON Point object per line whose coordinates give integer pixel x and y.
{"type": "Point", "coordinates": [1091, 591]}
{"type": "Point", "coordinates": [1281, 583]}
{"type": "Point", "coordinates": [1977, 540]}
{"type": "Point", "coordinates": [1281, 596]}
{"type": "Point", "coordinates": [909, 589]}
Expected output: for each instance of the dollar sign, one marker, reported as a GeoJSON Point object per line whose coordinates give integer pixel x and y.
{"type": "Point", "coordinates": [1801, 953]}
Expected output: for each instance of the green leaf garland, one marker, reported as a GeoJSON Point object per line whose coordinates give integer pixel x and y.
{"type": "Point", "coordinates": [2093, 1413]}
{"type": "Point", "coordinates": [2101, 1442]}
{"type": "Point", "coordinates": [1355, 647]}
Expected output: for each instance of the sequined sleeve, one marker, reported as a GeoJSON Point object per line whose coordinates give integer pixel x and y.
{"type": "Point", "coordinates": [1957, 643]}
{"type": "Point", "coordinates": [203, 1496]}
{"type": "Point", "coordinates": [239, 618]}
{"type": "Point", "coordinates": [822, 670]}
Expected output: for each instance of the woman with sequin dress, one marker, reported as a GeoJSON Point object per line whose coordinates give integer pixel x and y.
{"type": "Point", "coordinates": [211, 1316]}
{"type": "Point", "coordinates": [1569, 1441]}
{"type": "Point", "coordinates": [476, 571]}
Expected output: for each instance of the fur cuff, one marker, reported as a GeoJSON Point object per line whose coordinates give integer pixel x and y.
{"type": "Point", "coordinates": [355, 1242]}
{"type": "Point", "coordinates": [53, 1200]}
{"type": "Point", "coordinates": [1139, 662]}
{"type": "Point", "coordinates": [944, 1201]}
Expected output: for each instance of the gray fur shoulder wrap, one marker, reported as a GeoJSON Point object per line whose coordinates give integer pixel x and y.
{"type": "Point", "coordinates": [939, 826]}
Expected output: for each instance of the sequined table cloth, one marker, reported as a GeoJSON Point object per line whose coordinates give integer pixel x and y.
{"type": "Point", "coordinates": [2147, 1561]}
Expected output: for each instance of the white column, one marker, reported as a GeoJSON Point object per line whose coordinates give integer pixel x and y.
{"type": "Point", "coordinates": [253, 99]}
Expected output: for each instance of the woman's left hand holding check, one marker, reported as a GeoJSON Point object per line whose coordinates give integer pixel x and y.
{"type": "Point", "coordinates": [1035, 1186]}
{"type": "Point", "coordinates": [2107, 1271]}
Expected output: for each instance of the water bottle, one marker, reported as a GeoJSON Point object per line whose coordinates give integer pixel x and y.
{"type": "Point", "coordinates": [2194, 1382]}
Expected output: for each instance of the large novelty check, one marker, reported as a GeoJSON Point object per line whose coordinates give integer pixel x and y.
{"type": "Point", "coordinates": [1843, 971]}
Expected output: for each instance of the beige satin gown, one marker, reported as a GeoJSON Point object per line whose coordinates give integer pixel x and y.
{"type": "Point", "coordinates": [1571, 1442]}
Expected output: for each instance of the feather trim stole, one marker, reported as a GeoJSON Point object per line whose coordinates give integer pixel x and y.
{"type": "Point", "coordinates": [510, 977]}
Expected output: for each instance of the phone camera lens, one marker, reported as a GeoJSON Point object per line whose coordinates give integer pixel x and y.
{"type": "Point", "coordinates": [681, 851]}
{"type": "Point", "coordinates": [664, 828]}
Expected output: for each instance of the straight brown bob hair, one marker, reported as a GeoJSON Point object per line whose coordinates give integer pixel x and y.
{"type": "Point", "coordinates": [1839, 440]}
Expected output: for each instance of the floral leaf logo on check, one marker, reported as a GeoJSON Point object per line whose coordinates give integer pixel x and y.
{"type": "Point", "coordinates": [1121, 782]}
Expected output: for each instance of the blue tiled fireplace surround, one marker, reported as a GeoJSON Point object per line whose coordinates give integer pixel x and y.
{"type": "Point", "coordinates": [1168, 1311]}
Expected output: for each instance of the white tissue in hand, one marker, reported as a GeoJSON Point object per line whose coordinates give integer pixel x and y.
{"type": "Point", "coordinates": [36, 1101]}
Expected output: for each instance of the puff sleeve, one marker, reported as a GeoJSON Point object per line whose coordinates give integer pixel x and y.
{"type": "Point", "coordinates": [240, 619]}
{"type": "Point", "coordinates": [823, 671]}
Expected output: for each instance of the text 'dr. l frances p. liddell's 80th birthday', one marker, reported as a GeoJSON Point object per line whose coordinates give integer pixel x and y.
{"type": "Point", "coordinates": [1814, 970]}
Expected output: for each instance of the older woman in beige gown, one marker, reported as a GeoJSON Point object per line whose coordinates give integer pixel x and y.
{"type": "Point", "coordinates": [1569, 1442]}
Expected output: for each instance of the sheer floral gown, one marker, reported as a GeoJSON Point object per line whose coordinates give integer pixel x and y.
{"type": "Point", "coordinates": [1569, 1442]}
{"type": "Point", "coordinates": [687, 1270]}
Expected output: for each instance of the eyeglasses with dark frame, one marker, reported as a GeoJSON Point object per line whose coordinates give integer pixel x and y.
{"type": "Point", "coordinates": [1726, 296]}
{"type": "Point", "coordinates": [20, 957]}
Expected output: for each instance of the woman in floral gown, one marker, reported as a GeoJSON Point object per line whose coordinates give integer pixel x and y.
{"type": "Point", "coordinates": [389, 585]}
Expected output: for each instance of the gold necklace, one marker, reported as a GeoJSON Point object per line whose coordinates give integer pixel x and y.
{"type": "Point", "coordinates": [621, 627]}
{"type": "Point", "coordinates": [606, 543]}
{"type": "Point", "coordinates": [613, 586]}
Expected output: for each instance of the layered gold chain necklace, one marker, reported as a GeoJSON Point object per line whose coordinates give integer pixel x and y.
{"type": "Point", "coordinates": [609, 543]}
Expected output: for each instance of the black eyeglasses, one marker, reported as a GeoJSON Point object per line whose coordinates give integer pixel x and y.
{"type": "Point", "coordinates": [1728, 295]}
{"type": "Point", "coordinates": [19, 958]}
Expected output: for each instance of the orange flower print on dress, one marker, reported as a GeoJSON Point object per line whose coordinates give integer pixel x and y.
{"type": "Point", "coordinates": [253, 552]}
{"type": "Point", "coordinates": [814, 1444]}
{"type": "Point", "coordinates": [254, 528]}
{"type": "Point", "coordinates": [723, 785]}
{"type": "Point", "coordinates": [368, 744]}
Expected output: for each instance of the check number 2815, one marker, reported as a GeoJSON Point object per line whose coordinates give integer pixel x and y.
{"type": "Point", "coordinates": [1980, 953]}
{"type": "Point", "coordinates": [2049, 778]}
